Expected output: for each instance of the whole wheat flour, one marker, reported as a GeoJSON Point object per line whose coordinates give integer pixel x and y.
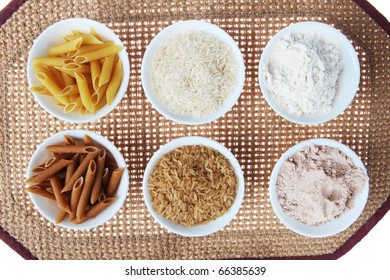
{"type": "Point", "coordinates": [318, 183]}
{"type": "Point", "coordinates": [302, 73]}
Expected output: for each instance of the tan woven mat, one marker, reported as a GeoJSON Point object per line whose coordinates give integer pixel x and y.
{"type": "Point", "coordinates": [251, 130]}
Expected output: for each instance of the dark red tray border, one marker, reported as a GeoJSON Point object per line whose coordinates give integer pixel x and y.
{"type": "Point", "coordinates": [13, 6]}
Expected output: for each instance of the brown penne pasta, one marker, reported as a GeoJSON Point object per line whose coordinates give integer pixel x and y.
{"type": "Point", "coordinates": [50, 171]}
{"type": "Point", "coordinates": [75, 197]}
{"type": "Point", "coordinates": [100, 161]}
{"type": "Point", "coordinates": [60, 197]}
{"type": "Point", "coordinates": [39, 168]}
{"type": "Point", "coordinates": [80, 171]}
{"type": "Point", "coordinates": [86, 192]}
{"type": "Point", "coordinates": [69, 140]}
{"type": "Point", "coordinates": [114, 181]}
{"type": "Point", "coordinates": [105, 177]}
{"type": "Point", "coordinates": [97, 209]}
{"type": "Point", "coordinates": [72, 149]}
{"type": "Point", "coordinates": [88, 140]}
{"type": "Point", "coordinates": [39, 190]}
{"type": "Point", "coordinates": [61, 216]}
{"type": "Point", "coordinates": [71, 168]}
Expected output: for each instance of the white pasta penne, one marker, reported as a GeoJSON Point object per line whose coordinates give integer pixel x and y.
{"type": "Point", "coordinates": [39, 90]}
{"type": "Point", "coordinates": [87, 39]}
{"type": "Point", "coordinates": [65, 47]}
{"type": "Point", "coordinates": [95, 74]}
{"type": "Point", "coordinates": [52, 87]}
{"type": "Point", "coordinates": [88, 48]}
{"type": "Point", "coordinates": [82, 84]}
{"type": "Point", "coordinates": [75, 67]}
{"type": "Point", "coordinates": [107, 69]}
{"type": "Point", "coordinates": [97, 54]}
{"type": "Point", "coordinates": [52, 60]}
{"type": "Point", "coordinates": [69, 90]}
{"type": "Point", "coordinates": [114, 83]}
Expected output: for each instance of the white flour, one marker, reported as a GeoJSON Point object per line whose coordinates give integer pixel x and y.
{"type": "Point", "coordinates": [302, 73]}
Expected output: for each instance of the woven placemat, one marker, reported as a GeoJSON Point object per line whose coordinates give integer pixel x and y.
{"type": "Point", "coordinates": [254, 133]}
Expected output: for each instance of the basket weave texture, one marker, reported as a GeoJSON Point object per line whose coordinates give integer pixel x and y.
{"type": "Point", "coordinates": [251, 129]}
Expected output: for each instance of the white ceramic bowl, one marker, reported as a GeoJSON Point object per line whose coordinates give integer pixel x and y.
{"type": "Point", "coordinates": [212, 226]}
{"type": "Point", "coordinates": [348, 81]}
{"type": "Point", "coordinates": [52, 36]}
{"type": "Point", "coordinates": [164, 35]}
{"type": "Point", "coordinates": [49, 208]}
{"type": "Point", "coordinates": [332, 227]}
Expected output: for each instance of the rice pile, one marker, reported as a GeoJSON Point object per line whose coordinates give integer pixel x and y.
{"type": "Point", "coordinates": [192, 185]}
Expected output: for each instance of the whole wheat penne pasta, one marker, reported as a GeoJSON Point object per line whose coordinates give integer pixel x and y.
{"type": "Point", "coordinates": [69, 90]}
{"type": "Point", "coordinates": [107, 69]}
{"type": "Point", "coordinates": [39, 90]}
{"type": "Point", "coordinates": [86, 192]}
{"type": "Point", "coordinates": [88, 140]}
{"type": "Point", "coordinates": [84, 91]}
{"type": "Point", "coordinates": [61, 216]}
{"type": "Point", "coordinates": [71, 168]}
{"type": "Point", "coordinates": [95, 73]}
{"type": "Point", "coordinates": [45, 184]}
{"type": "Point", "coordinates": [56, 158]}
{"type": "Point", "coordinates": [102, 196]}
{"type": "Point", "coordinates": [60, 197]}
{"type": "Point", "coordinates": [65, 47]}
{"type": "Point", "coordinates": [52, 60]}
{"type": "Point", "coordinates": [75, 197]}
{"type": "Point", "coordinates": [39, 190]}
{"type": "Point", "coordinates": [97, 209]}
{"type": "Point", "coordinates": [69, 140]}
{"type": "Point", "coordinates": [113, 183]}
{"type": "Point", "coordinates": [97, 54]}
{"type": "Point", "coordinates": [97, 184]}
{"type": "Point", "coordinates": [48, 172]}
{"type": "Point", "coordinates": [87, 39]}
{"type": "Point", "coordinates": [39, 169]}
{"type": "Point", "coordinates": [80, 171]}
{"type": "Point", "coordinates": [88, 48]}
{"type": "Point", "coordinates": [114, 83]}
{"type": "Point", "coordinates": [105, 177]}
{"type": "Point", "coordinates": [71, 149]}
{"type": "Point", "coordinates": [52, 87]}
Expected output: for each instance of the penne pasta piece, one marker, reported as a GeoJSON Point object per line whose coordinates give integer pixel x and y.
{"type": "Point", "coordinates": [80, 171]}
{"type": "Point", "coordinates": [52, 87]}
{"type": "Point", "coordinates": [75, 197]}
{"type": "Point", "coordinates": [105, 177]}
{"type": "Point", "coordinates": [61, 216]}
{"type": "Point", "coordinates": [48, 172]}
{"type": "Point", "coordinates": [75, 67]}
{"type": "Point", "coordinates": [60, 197]}
{"type": "Point", "coordinates": [86, 192]}
{"type": "Point", "coordinates": [102, 197]}
{"type": "Point", "coordinates": [68, 140]}
{"type": "Point", "coordinates": [88, 140]}
{"type": "Point", "coordinates": [107, 69]}
{"type": "Point", "coordinates": [97, 54]}
{"type": "Point", "coordinates": [57, 76]}
{"type": "Point", "coordinates": [97, 184]}
{"type": "Point", "coordinates": [114, 181]}
{"type": "Point", "coordinates": [84, 91]}
{"type": "Point", "coordinates": [72, 149]}
{"type": "Point", "coordinates": [88, 48]}
{"type": "Point", "coordinates": [65, 47]}
{"type": "Point", "coordinates": [93, 32]}
{"type": "Point", "coordinates": [39, 190]}
{"type": "Point", "coordinates": [52, 60]}
{"type": "Point", "coordinates": [114, 83]}
{"type": "Point", "coordinates": [69, 90]}
{"type": "Point", "coordinates": [95, 73]}
{"type": "Point", "coordinates": [87, 39]}
{"type": "Point", "coordinates": [97, 209]}
{"type": "Point", "coordinates": [45, 184]}
{"type": "Point", "coordinates": [68, 80]}
{"type": "Point", "coordinates": [99, 105]}
{"type": "Point", "coordinates": [56, 158]}
{"type": "Point", "coordinates": [39, 168]}
{"type": "Point", "coordinates": [77, 32]}
{"type": "Point", "coordinates": [39, 90]}
{"type": "Point", "coordinates": [71, 168]}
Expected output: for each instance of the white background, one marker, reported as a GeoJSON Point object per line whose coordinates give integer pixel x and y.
{"type": "Point", "coordinates": [369, 258]}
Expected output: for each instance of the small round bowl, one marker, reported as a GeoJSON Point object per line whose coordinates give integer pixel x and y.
{"type": "Point", "coordinates": [212, 226]}
{"type": "Point", "coordinates": [49, 208]}
{"type": "Point", "coordinates": [52, 36]}
{"type": "Point", "coordinates": [332, 227]}
{"type": "Point", "coordinates": [164, 35]}
{"type": "Point", "coordinates": [348, 81]}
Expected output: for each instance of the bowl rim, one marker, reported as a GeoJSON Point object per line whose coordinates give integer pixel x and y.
{"type": "Point", "coordinates": [161, 37]}
{"type": "Point", "coordinates": [330, 228]}
{"type": "Point", "coordinates": [39, 155]}
{"type": "Point", "coordinates": [351, 62]}
{"type": "Point", "coordinates": [204, 229]}
{"type": "Point", "coordinates": [46, 102]}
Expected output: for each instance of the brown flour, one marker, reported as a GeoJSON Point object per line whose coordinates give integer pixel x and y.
{"type": "Point", "coordinates": [318, 183]}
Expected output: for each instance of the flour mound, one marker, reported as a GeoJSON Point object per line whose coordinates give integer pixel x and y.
{"type": "Point", "coordinates": [302, 73]}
